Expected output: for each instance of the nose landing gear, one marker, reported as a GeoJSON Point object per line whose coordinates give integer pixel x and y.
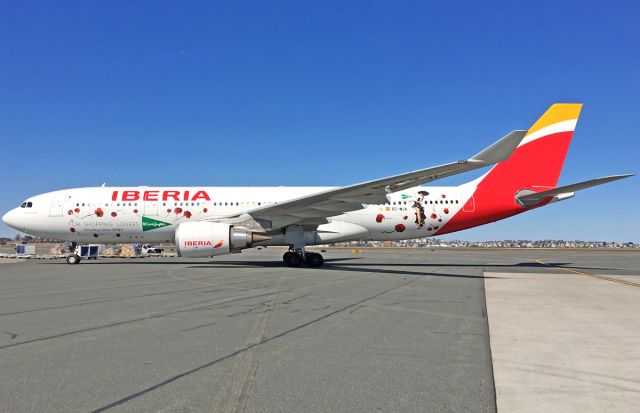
{"type": "Point", "coordinates": [73, 258]}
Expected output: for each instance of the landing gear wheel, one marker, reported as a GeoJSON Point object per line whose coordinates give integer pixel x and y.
{"type": "Point", "coordinates": [314, 259]}
{"type": "Point", "coordinates": [292, 259]}
{"type": "Point", "coordinates": [73, 259]}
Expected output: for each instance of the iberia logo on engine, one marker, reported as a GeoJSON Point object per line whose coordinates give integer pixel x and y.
{"type": "Point", "coordinates": [196, 243]}
{"type": "Point", "coordinates": [202, 244]}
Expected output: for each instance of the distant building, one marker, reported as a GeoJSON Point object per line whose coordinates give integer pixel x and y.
{"type": "Point", "coordinates": [440, 243]}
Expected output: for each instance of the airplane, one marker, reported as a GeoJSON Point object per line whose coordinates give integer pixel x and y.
{"type": "Point", "coordinates": [213, 221]}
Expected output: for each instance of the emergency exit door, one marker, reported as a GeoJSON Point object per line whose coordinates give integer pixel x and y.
{"type": "Point", "coordinates": [151, 208]}
{"type": "Point", "coordinates": [470, 205]}
{"type": "Point", "coordinates": [57, 204]}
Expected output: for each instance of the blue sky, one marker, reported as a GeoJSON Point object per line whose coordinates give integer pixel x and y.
{"type": "Point", "coordinates": [316, 93]}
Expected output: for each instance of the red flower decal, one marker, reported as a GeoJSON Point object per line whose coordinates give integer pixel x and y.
{"type": "Point", "coordinates": [99, 212]}
{"type": "Point", "coordinates": [446, 210]}
{"type": "Point", "coordinates": [187, 214]}
{"type": "Point", "coordinates": [205, 210]}
{"type": "Point", "coordinates": [379, 218]}
{"type": "Point", "coordinates": [400, 227]}
{"type": "Point", "coordinates": [135, 211]}
{"type": "Point", "coordinates": [434, 216]}
{"type": "Point", "coordinates": [114, 214]}
{"type": "Point", "coordinates": [177, 211]}
{"type": "Point", "coordinates": [168, 210]}
{"type": "Point", "coordinates": [443, 196]}
{"type": "Point", "coordinates": [70, 212]}
{"type": "Point", "coordinates": [72, 229]}
{"type": "Point", "coordinates": [440, 220]}
{"type": "Point", "coordinates": [219, 244]}
{"type": "Point", "coordinates": [77, 210]}
{"type": "Point", "coordinates": [405, 217]}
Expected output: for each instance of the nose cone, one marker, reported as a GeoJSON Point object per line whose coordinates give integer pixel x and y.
{"type": "Point", "coordinates": [10, 219]}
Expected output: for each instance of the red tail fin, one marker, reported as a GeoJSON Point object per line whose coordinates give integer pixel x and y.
{"type": "Point", "coordinates": [535, 165]}
{"type": "Point", "coordinates": [537, 162]}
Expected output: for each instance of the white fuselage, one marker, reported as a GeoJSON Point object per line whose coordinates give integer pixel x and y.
{"type": "Point", "coordinates": [151, 214]}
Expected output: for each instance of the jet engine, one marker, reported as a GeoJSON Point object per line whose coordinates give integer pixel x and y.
{"type": "Point", "coordinates": [208, 239]}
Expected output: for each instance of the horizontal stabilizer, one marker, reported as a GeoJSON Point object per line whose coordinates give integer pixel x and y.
{"type": "Point", "coordinates": [535, 197]}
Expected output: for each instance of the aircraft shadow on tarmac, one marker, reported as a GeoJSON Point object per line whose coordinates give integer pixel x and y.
{"type": "Point", "coordinates": [329, 264]}
{"type": "Point", "coordinates": [362, 266]}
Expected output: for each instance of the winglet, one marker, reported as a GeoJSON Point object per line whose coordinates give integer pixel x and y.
{"type": "Point", "coordinates": [500, 150]}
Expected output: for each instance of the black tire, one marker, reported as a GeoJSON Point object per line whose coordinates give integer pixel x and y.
{"type": "Point", "coordinates": [73, 259]}
{"type": "Point", "coordinates": [292, 259]}
{"type": "Point", "coordinates": [314, 259]}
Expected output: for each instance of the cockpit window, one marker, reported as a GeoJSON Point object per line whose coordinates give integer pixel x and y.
{"type": "Point", "coordinates": [29, 204]}
{"type": "Point", "coordinates": [24, 205]}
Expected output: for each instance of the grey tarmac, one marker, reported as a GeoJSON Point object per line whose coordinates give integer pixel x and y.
{"type": "Point", "coordinates": [385, 330]}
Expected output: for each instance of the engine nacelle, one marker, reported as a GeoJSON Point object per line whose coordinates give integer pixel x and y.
{"type": "Point", "coordinates": [207, 239]}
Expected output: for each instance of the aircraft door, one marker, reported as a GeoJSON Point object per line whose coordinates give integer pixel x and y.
{"type": "Point", "coordinates": [151, 208]}
{"type": "Point", "coordinates": [470, 205]}
{"type": "Point", "coordinates": [57, 204]}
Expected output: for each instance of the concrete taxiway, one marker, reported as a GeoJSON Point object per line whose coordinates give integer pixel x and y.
{"type": "Point", "coordinates": [400, 330]}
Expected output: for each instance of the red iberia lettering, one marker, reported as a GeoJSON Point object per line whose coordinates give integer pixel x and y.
{"type": "Point", "coordinates": [150, 195]}
{"type": "Point", "coordinates": [197, 243]}
{"type": "Point", "coordinates": [201, 195]}
{"type": "Point", "coordinates": [155, 195]}
{"type": "Point", "coordinates": [170, 194]}
{"type": "Point", "coordinates": [130, 195]}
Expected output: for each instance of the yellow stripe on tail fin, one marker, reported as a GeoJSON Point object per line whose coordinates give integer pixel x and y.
{"type": "Point", "coordinates": [558, 112]}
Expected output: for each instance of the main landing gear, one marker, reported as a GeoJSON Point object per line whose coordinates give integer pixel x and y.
{"type": "Point", "coordinates": [295, 238]}
{"type": "Point", "coordinates": [296, 258]}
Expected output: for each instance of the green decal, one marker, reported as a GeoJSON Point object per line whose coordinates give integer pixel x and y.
{"type": "Point", "coordinates": [404, 196]}
{"type": "Point", "coordinates": [149, 223]}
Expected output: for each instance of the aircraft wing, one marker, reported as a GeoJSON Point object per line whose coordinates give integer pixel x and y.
{"type": "Point", "coordinates": [315, 208]}
{"type": "Point", "coordinates": [568, 190]}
